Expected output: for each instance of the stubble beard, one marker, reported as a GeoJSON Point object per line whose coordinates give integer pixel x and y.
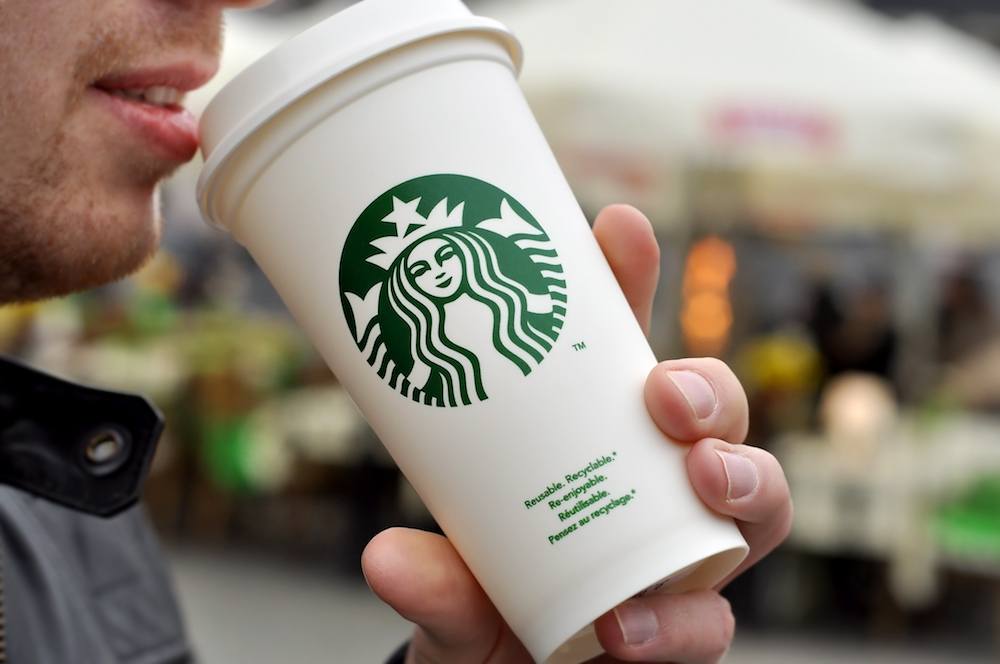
{"type": "Point", "coordinates": [59, 237]}
{"type": "Point", "coordinates": [67, 225]}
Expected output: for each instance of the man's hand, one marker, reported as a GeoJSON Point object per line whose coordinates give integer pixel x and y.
{"type": "Point", "coordinates": [696, 401]}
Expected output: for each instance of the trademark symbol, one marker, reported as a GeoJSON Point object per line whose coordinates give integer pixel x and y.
{"type": "Point", "coordinates": [580, 346]}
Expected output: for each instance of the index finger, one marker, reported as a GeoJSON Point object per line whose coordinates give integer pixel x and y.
{"type": "Point", "coordinates": [627, 240]}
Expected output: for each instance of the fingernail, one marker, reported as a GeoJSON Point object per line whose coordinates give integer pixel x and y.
{"type": "Point", "coordinates": [637, 622]}
{"type": "Point", "coordinates": [697, 391]}
{"type": "Point", "coordinates": [741, 473]}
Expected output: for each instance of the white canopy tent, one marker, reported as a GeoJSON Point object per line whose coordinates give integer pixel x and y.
{"type": "Point", "coordinates": [962, 76]}
{"type": "Point", "coordinates": [812, 102]}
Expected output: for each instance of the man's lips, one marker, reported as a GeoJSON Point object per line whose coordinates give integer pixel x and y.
{"type": "Point", "coordinates": [148, 102]}
{"type": "Point", "coordinates": [171, 130]}
{"type": "Point", "coordinates": [184, 77]}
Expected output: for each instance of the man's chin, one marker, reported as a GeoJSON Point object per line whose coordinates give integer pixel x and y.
{"type": "Point", "coordinates": [99, 260]}
{"type": "Point", "coordinates": [14, 291]}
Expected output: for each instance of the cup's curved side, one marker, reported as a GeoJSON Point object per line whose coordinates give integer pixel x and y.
{"type": "Point", "coordinates": [557, 489]}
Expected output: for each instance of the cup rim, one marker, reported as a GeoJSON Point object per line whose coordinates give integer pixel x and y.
{"type": "Point", "coordinates": [300, 87]}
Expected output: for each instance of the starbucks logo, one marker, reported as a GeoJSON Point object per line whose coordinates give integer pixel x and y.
{"type": "Point", "coordinates": [451, 289]}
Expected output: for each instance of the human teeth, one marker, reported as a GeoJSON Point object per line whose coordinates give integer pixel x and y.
{"type": "Point", "coordinates": [162, 96]}
{"type": "Point", "coordinates": [156, 95]}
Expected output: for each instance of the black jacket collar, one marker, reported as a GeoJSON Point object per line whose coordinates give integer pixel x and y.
{"type": "Point", "coordinates": [83, 448]}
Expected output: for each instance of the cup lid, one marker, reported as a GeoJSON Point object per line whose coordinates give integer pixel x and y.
{"type": "Point", "coordinates": [330, 48]}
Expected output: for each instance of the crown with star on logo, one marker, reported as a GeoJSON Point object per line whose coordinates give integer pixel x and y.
{"type": "Point", "coordinates": [411, 227]}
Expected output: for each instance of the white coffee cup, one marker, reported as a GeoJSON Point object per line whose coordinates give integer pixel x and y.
{"type": "Point", "coordinates": [384, 170]}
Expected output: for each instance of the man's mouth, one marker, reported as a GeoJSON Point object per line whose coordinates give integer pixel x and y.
{"type": "Point", "coordinates": [158, 95]}
{"type": "Point", "coordinates": [150, 103]}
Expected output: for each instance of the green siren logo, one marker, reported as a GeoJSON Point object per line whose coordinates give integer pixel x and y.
{"type": "Point", "coordinates": [451, 288]}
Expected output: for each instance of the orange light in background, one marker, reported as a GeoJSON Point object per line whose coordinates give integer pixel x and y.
{"type": "Point", "coordinates": [707, 313]}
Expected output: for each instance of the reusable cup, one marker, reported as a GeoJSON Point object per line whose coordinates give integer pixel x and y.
{"type": "Point", "coordinates": [384, 170]}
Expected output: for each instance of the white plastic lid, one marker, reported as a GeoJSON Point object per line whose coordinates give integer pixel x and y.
{"type": "Point", "coordinates": [328, 49]}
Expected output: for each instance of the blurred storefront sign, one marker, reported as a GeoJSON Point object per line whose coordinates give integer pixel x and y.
{"type": "Point", "coordinates": [771, 127]}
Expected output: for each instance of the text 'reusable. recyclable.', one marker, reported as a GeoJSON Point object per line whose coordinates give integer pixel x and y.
{"type": "Point", "coordinates": [581, 497]}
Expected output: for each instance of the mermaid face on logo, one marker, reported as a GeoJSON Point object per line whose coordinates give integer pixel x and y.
{"type": "Point", "coordinates": [432, 255]}
{"type": "Point", "coordinates": [436, 269]}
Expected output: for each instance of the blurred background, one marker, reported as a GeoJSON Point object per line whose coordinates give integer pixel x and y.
{"type": "Point", "coordinates": [823, 178]}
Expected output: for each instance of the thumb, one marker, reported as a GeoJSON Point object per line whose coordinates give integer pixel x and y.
{"type": "Point", "coordinates": [422, 577]}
